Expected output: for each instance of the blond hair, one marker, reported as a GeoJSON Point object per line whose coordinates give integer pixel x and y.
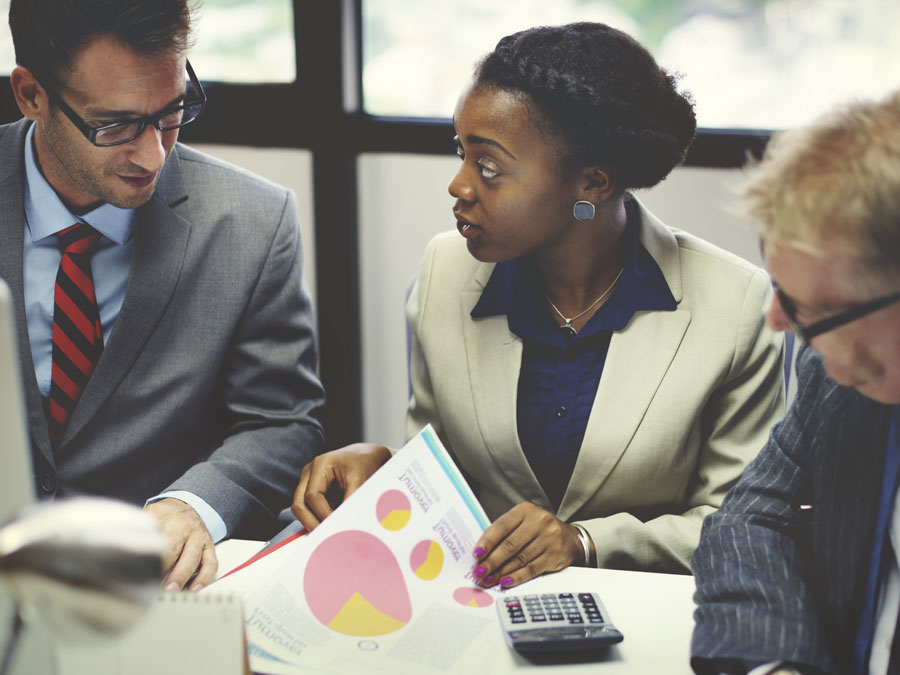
{"type": "Point", "coordinates": [835, 182]}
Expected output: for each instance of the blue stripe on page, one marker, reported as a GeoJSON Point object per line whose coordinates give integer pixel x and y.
{"type": "Point", "coordinates": [461, 487]}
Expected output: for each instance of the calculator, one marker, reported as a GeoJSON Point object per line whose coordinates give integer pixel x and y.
{"type": "Point", "coordinates": [556, 622]}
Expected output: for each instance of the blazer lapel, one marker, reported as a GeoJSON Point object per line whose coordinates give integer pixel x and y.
{"type": "Point", "coordinates": [161, 239]}
{"type": "Point", "coordinates": [494, 357]}
{"type": "Point", "coordinates": [636, 363]}
{"type": "Point", "coordinates": [12, 231]}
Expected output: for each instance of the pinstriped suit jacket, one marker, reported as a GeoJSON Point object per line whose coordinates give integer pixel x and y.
{"type": "Point", "coordinates": [207, 382]}
{"type": "Point", "coordinates": [777, 582]}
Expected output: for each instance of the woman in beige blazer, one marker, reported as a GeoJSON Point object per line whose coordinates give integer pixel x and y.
{"type": "Point", "coordinates": [600, 378]}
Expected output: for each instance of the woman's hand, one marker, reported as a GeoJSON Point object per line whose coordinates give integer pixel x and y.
{"type": "Point", "coordinates": [523, 543]}
{"type": "Point", "coordinates": [332, 477]}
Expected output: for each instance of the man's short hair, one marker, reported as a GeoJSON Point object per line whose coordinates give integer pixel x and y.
{"type": "Point", "coordinates": [834, 182]}
{"type": "Point", "coordinates": [48, 34]}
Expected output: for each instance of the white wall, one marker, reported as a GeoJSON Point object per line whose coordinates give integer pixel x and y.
{"type": "Point", "coordinates": [403, 202]}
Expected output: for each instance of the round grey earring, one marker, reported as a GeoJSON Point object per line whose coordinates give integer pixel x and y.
{"type": "Point", "coordinates": [583, 210]}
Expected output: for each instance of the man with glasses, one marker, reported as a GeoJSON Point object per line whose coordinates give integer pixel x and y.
{"type": "Point", "coordinates": [798, 571]}
{"type": "Point", "coordinates": [166, 337]}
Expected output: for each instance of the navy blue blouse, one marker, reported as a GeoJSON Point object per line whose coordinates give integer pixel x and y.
{"type": "Point", "coordinates": [560, 374]}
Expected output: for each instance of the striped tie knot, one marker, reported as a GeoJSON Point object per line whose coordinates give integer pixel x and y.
{"type": "Point", "coordinates": [77, 333]}
{"type": "Point", "coordinates": [77, 239]}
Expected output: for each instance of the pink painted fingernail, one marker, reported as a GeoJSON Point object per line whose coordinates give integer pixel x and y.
{"type": "Point", "coordinates": [506, 581]}
{"type": "Point", "coordinates": [489, 580]}
{"type": "Point", "coordinates": [479, 571]}
{"type": "Point", "coordinates": [478, 552]}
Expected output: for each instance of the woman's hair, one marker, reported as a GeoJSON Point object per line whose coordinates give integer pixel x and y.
{"type": "Point", "coordinates": [835, 182]}
{"type": "Point", "coordinates": [48, 34]}
{"type": "Point", "coordinates": [602, 94]}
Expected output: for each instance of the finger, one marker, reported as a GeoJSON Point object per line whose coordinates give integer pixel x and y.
{"type": "Point", "coordinates": [534, 568]}
{"type": "Point", "coordinates": [172, 551]}
{"type": "Point", "coordinates": [530, 560]}
{"type": "Point", "coordinates": [209, 565]}
{"type": "Point", "coordinates": [511, 554]}
{"type": "Point", "coordinates": [497, 532]}
{"type": "Point", "coordinates": [319, 487]}
{"type": "Point", "coordinates": [299, 508]}
{"type": "Point", "coordinates": [185, 566]}
{"type": "Point", "coordinates": [509, 534]}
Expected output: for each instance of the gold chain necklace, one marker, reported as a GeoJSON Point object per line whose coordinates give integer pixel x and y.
{"type": "Point", "coordinates": [567, 326]}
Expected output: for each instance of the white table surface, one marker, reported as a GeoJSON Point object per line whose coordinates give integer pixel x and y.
{"type": "Point", "coordinates": [653, 611]}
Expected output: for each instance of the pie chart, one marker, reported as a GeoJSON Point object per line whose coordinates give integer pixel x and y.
{"type": "Point", "coordinates": [426, 559]}
{"type": "Point", "coordinates": [392, 510]}
{"type": "Point", "coordinates": [472, 597]}
{"type": "Point", "coordinates": [353, 585]}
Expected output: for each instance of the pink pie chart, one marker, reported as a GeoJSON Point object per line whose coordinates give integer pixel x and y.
{"type": "Point", "coordinates": [473, 597]}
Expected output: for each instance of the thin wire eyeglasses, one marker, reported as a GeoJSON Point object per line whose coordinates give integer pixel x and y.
{"type": "Point", "coordinates": [117, 133]}
{"type": "Point", "coordinates": [807, 333]}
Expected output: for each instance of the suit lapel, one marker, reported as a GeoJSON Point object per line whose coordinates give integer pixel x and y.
{"type": "Point", "coordinates": [494, 357]}
{"type": "Point", "coordinates": [161, 239]}
{"type": "Point", "coordinates": [637, 362]}
{"type": "Point", "coordinates": [12, 231]}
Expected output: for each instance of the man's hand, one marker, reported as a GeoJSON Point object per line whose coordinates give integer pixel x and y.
{"type": "Point", "coordinates": [332, 477]}
{"type": "Point", "coordinates": [190, 548]}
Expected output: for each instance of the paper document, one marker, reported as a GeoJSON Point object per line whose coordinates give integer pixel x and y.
{"type": "Point", "coordinates": [383, 585]}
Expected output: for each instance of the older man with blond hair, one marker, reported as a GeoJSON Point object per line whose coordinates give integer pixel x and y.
{"type": "Point", "coordinates": [798, 571]}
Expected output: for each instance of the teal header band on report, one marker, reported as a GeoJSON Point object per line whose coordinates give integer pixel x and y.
{"type": "Point", "coordinates": [455, 478]}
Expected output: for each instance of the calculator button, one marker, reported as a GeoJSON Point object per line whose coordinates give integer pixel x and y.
{"type": "Point", "coordinates": [518, 619]}
{"type": "Point", "coordinates": [556, 616]}
{"type": "Point", "coordinates": [538, 618]}
{"type": "Point", "coordinates": [575, 618]}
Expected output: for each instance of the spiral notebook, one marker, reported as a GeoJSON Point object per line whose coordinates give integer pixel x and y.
{"type": "Point", "coordinates": [184, 633]}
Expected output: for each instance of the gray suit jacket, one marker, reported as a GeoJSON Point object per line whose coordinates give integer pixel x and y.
{"type": "Point", "coordinates": [777, 582]}
{"type": "Point", "coordinates": [207, 382]}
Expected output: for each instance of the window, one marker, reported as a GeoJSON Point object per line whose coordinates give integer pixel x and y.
{"type": "Point", "coordinates": [237, 41]}
{"type": "Point", "coordinates": [750, 64]}
{"type": "Point", "coordinates": [245, 41]}
{"type": "Point", "coordinates": [7, 53]}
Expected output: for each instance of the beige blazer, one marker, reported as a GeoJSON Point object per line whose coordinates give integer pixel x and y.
{"type": "Point", "coordinates": [686, 399]}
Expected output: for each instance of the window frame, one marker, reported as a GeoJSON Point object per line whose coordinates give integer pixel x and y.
{"type": "Point", "coordinates": [320, 111]}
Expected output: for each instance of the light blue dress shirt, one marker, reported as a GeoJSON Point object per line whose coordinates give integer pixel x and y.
{"type": "Point", "coordinates": [45, 216]}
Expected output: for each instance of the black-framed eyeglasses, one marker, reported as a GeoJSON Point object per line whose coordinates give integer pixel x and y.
{"type": "Point", "coordinates": [117, 133]}
{"type": "Point", "coordinates": [807, 333]}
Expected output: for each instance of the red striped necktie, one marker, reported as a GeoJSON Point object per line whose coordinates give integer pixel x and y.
{"type": "Point", "coordinates": [77, 336]}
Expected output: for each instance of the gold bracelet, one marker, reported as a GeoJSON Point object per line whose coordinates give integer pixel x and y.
{"type": "Point", "coordinates": [585, 540]}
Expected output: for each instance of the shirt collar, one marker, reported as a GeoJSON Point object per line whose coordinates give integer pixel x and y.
{"type": "Point", "coordinates": [46, 214]}
{"type": "Point", "coordinates": [515, 290]}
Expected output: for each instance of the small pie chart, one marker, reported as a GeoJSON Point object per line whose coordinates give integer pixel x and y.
{"type": "Point", "coordinates": [353, 584]}
{"type": "Point", "coordinates": [472, 597]}
{"type": "Point", "coordinates": [427, 559]}
{"type": "Point", "coordinates": [393, 510]}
